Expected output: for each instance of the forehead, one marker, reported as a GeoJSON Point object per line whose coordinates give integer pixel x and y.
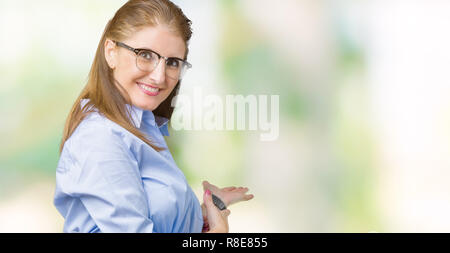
{"type": "Point", "coordinates": [160, 39]}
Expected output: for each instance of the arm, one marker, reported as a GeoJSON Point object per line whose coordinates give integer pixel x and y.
{"type": "Point", "coordinates": [107, 181]}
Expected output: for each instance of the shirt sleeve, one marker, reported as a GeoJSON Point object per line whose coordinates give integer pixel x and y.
{"type": "Point", "coordinates": [107, 180]}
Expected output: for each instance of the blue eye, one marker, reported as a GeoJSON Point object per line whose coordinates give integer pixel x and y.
{"type": "Point", "coordinates": [147, 55]}
{"type": "Point", "coordinates": [173, 63]}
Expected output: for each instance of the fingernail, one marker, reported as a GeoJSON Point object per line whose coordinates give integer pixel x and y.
{"type": "Point", "coordinates": [208, 192]}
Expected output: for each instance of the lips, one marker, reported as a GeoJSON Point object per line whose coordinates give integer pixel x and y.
{"type": "Point", "coordinates": [148, 89]}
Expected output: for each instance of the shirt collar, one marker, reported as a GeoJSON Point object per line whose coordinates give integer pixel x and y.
{"type": "Point", "coordinates": [138, 115]}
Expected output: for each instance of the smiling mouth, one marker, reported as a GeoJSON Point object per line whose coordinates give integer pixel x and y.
{"type": "Point", "coordinates": [148, 89]}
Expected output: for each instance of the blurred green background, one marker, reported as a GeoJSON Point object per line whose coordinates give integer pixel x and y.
{"type": "Point", "coordinates": [364, 140]}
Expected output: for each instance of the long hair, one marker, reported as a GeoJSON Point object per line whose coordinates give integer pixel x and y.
{"type": "Point", "coordinates": [104, 95]}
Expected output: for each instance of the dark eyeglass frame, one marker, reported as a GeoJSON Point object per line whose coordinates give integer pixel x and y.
{"type": "Point", "coordinates": [186, 64]}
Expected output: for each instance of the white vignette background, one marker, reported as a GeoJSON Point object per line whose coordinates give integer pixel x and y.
{"type": "Point", "coordinates": [364, 91]}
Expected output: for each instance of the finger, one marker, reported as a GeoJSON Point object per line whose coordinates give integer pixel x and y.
{"type": "Point", "coordinates": [211, 208]}
{"type": "Point", "coordinates": [249, 197]}
{"type": "Point", "coordinates": [207, 199]}
{"type": "Point", "coordinates": [205, 228]}
{"type": "Point", "coordinates": [211, 187]}
{"type": "Point", "coordinates": [205, 185]}
{"type": "Point", "coordinates": [226, 212]}
{"type": "Point", "coordinates": [229, 188]}
{"type": "Point", "coordinates": [204, 212]}
{"type": "Point", "coordinates": [241, 189]}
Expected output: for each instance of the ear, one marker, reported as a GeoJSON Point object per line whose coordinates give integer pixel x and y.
{"type": "Point", "coordinates": [111, 53]}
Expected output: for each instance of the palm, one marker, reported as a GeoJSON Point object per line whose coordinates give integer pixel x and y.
{"type": "Point", "coordinates": [229, 195]}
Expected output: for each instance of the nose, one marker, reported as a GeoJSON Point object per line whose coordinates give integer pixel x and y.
{"type": "Point", "coordinates": [158, 75]}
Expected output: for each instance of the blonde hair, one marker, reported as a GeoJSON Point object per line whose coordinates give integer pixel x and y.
{"type": "Point", "coordinates": [101, 89]}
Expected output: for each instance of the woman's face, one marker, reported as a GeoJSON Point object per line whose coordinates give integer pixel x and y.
{"type": "Point", "coordinates": [147, 90]}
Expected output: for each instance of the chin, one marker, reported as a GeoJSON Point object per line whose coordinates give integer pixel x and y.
{"type": "Point", "coordinates": [150, 107]}
{"type": "Point", "coordinates": [146, 105]}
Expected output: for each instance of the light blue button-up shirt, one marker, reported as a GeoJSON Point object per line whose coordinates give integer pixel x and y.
{"type": "Point", "coordinates": [108, 180]}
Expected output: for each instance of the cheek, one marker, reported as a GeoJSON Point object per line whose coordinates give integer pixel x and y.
{"type": "Point", "coordinates": [126, 76]}
{"type": "Point", "coordinates": [170, 87]}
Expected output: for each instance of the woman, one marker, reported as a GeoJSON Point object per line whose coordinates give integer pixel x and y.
{"type": "Point", "coordinates": [115, 172]}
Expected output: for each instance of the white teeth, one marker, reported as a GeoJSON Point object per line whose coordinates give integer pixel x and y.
{"type": "Point", "coordinates": [149, 88]}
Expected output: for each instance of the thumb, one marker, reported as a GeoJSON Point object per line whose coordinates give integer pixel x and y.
{"type": "Point", "coordinates": [205, 185]}
{"type": "Point", "coordinates": [211, 208]}
{"type": "Point", "coordinates": [207, 199]}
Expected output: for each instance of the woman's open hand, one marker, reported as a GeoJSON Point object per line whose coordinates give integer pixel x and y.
{"type": "Point", "coordinates": [229, 195]}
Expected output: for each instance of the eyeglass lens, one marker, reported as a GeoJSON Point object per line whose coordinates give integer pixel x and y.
{"type": "Point", "coordinates": [148, 61]}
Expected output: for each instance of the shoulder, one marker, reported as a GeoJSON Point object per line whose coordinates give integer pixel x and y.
{"type": "Point", "coordinates": [94, 125]}
{"type": "Point", "coordinates": [96, 148]}
{"type": "Point", "coordinates": [95, 133]}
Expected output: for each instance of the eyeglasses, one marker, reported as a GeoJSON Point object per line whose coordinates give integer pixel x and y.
{"type": "Point", "coordinates": [147, 60]}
